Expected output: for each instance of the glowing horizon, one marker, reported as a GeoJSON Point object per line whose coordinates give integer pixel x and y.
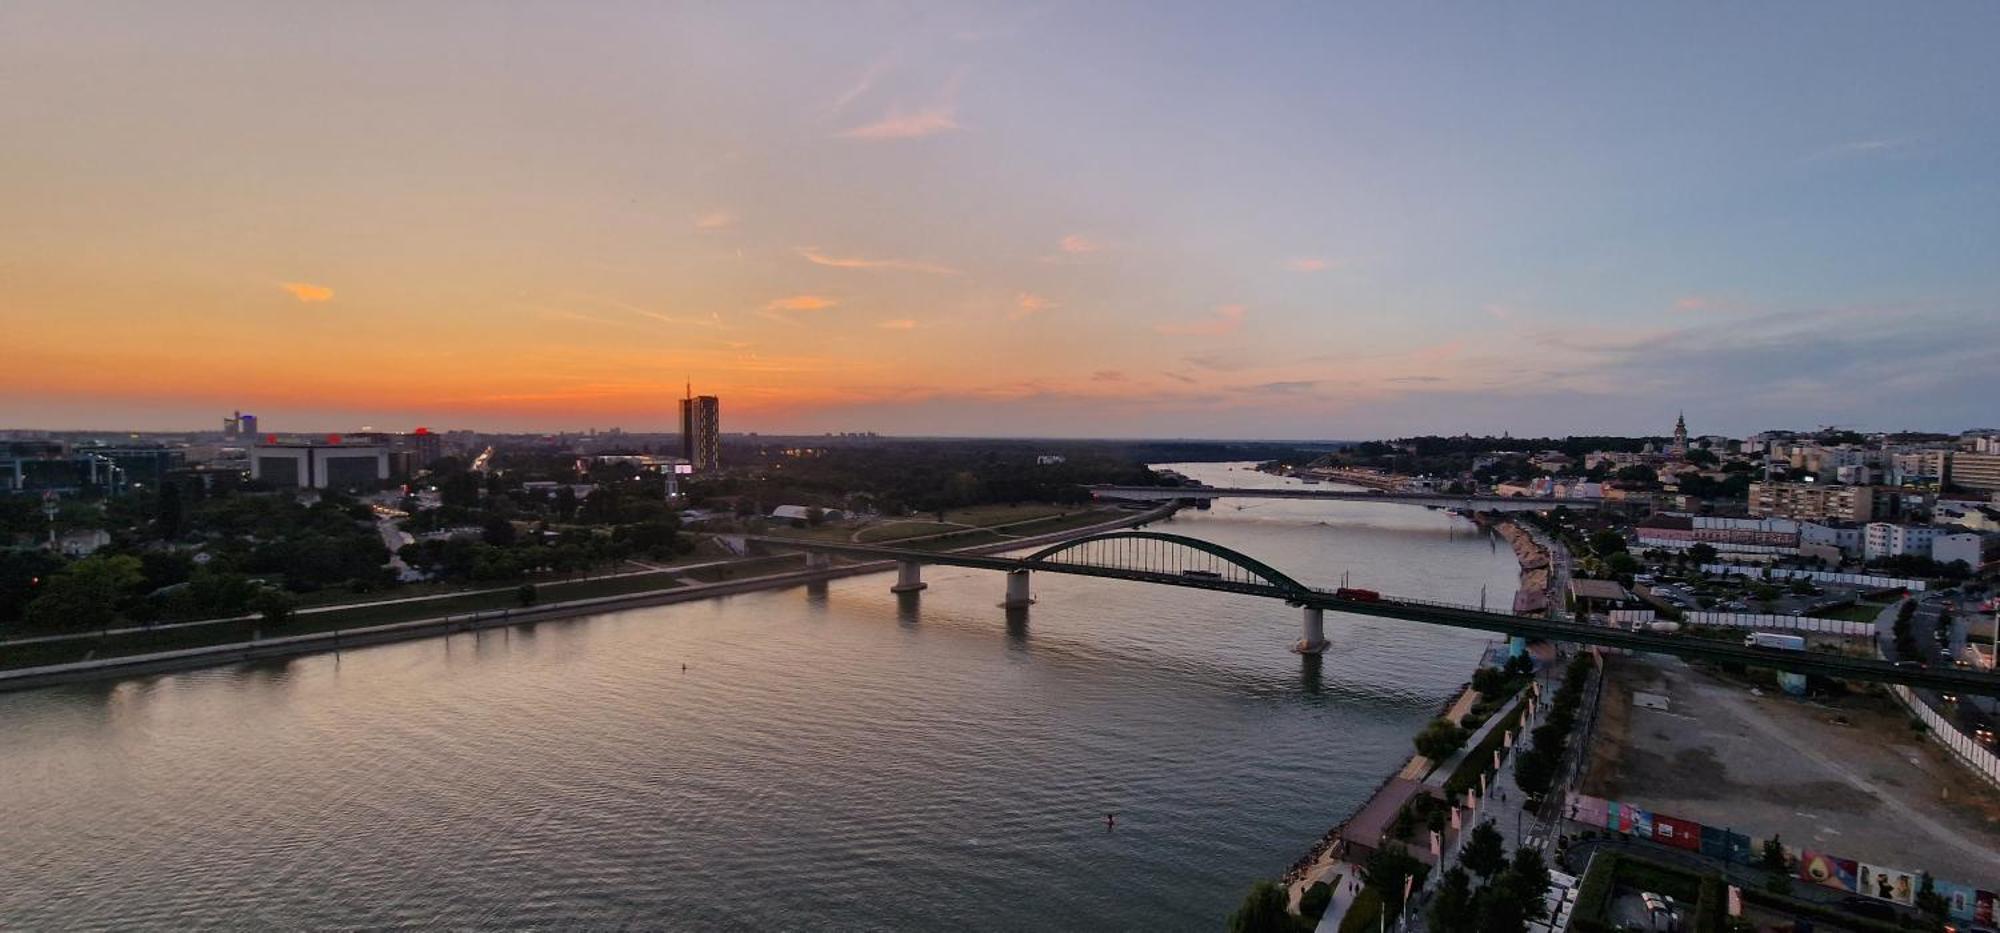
{"type": "Point", "coordinates": [981, 220]}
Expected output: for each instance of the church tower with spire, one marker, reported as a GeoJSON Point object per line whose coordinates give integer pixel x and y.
{"type": "Point", "coordinates": [1680, 448]}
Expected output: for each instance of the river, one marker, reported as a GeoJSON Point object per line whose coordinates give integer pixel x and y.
{"type": "Point", "coordinates": [831, 757]}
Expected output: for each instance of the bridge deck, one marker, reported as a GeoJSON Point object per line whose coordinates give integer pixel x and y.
{"type": "Point", "coordinates": [1429, 612]}
{"type": "Point", "coordinates": [1444, 500]}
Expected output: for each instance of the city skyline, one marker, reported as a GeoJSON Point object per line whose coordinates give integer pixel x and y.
{"type": "Point", "coordinates": [953, 220]}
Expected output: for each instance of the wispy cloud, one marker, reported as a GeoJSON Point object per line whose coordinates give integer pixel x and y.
{"type": "Point", "coordinates": [308, 293]}
{"type": "Point", "coordinates": [1863, 147]}
{"type": "Point", "coordinates": [1077, 245]}
{"type": "Point", "coordinates": [1107, 375]}
{"type": "Point", "coordinates": [1181, 377]}
{"type": "Point", "coordinates": [1227, 319]}
{"type": "Point", "coordinates": [719, 219]}
{"type": "Point", "coordinates": [897, 324]}
{"type": "Point", "coordinates": [1498, 312]}
{"type": "Point", "coordinates": [1029, 304]}
{"type": "Point", "coordinates": [814, 256]}
{"type": "Point", "coordinates": [861, 85]}
{"type": "Point", "coordinates": [1308, 265]}
{"type": "Point", "coordinates": [801, 303]}
{"type": "Point", "coordinates": [928, 122]}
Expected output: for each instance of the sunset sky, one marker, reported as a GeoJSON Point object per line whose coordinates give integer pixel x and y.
{"type": "Point", "coordinates": [1307, 220]}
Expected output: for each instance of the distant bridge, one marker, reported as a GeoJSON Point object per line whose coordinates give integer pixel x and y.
{"type": "Point", "coordinates": [1177, 560]}
{"type": "Point", "coordinates": [1484, 503]}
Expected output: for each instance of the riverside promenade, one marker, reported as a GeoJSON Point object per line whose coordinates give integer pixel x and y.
{"type": "Point", "coordinates": [338, 639]}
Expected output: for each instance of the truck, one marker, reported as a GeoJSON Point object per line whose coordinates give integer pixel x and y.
{"type": "Point", "coordinates": [1775, 640]}
{"type": "Point", "coordinates": [1366, 596]}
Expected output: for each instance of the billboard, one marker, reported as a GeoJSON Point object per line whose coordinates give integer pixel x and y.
{"type": "Point", "coordinates": [1823, 869]}
{"type": "Point", "coordinates": [1889, 884]}
{"type": "Point", "coordinates": [1676, 832]}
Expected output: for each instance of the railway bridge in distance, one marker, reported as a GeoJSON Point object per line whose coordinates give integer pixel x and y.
{"type": "Point", "coordinates": [1477, 503]}
{"type": "Point", "coordinates": [1177, 560]}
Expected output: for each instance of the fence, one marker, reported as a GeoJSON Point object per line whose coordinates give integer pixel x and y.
{"type": "Point", "coordinates": [1962, 746]}
{"type": "Point", "coordinates": [1817, 576]}
{"type": "Point", "coordinates": [1762, 620]}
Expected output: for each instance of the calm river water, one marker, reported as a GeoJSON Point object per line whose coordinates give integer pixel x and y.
{"type": "Point", "coordinates": [830, 758]}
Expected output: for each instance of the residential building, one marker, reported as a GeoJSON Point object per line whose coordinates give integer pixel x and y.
{"type": "Point", "coordinates": [1814, 502]}
{"type": "Point", "coordinates": [1831, 541]}
{"type": "Point", "coordinates": [1888, 539]}
{"type": "Point", "coordinates": [1919, 467]}
{"type": "Point", "coordinates": [1977, 550]}
{"type": "Point", "coordinates": [701, 431]}
{"type": "Point", "coordinates": [1976, 470]}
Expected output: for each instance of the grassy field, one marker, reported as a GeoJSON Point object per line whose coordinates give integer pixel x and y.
{"type": "Point", "coordinates": [1859, 612]}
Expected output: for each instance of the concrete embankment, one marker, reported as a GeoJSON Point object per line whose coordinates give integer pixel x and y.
{"type": "Point", "coordinates": [318, 642]}
{"type": "Point", "coordinates": [1532, 596]}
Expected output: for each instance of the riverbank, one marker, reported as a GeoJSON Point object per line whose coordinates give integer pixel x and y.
{"type": "Point", "coordinates": [339, 639]}
{"type": "Point", "coordinates": [1326, 862]}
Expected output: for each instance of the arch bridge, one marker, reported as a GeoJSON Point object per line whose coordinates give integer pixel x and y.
{"type": "Point", "coordinates": [1178, 560]}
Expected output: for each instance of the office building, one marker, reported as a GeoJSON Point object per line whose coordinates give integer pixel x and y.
{"type": "Point", "coordinates": [320, 466]}
{"type": "Point", "coordinates": [701, 431]}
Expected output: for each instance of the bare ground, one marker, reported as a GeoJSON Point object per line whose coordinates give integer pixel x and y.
{"type": "Point", "coordinates": [1849, 777]}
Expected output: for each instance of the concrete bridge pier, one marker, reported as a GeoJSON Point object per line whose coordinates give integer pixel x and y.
{"type": "Point", "coordinates": [1018, 594]}
{"type": "Point", "coordinates": [1313, 638]}
{"type": "Point", "coordinates": [817, 561]}
{"type": "Point", "coordinates": [909, 577]}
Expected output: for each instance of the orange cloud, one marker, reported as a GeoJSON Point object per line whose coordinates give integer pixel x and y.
{"type": "Point", "coordinates": [914, 125]}
{"type": "Point", "coordinates": [308, 293]}
{"type": "Point", "coordinates": [1307, 265]}
{"type": "Point", "coordinates": [1077, 245]}
{"type": "Point", "coordinates": [1029, 304]}
{"type": "Point", "coordinates": [801, 303]}
{"type": "Point", "coordinates": [814, 256]}
{"type": "Point", "coordinates": [898, 324]}
{"type": "Point", "coordinates": [715, 220]}
{"type": "Point", "coordinates": [1228, 319]}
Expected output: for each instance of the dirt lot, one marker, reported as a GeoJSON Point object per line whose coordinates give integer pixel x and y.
{"type": "Point", "coordinates": [1866, 788]}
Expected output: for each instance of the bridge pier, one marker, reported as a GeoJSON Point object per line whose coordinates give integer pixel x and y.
{"type": "Point", "coordinates": [909, 577]}
{"type": "Point", "coordinates": [1018, 594]}
{"type": "Point", "coordinates": [1313, 638]}
{"type": "Point", "coordinates": [818, 561]}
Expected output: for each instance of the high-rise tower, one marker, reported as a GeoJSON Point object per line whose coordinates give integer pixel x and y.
{"type": "Point", "coordinates": [701, 430]}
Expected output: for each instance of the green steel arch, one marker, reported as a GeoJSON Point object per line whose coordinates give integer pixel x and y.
{"type": "Point", "coordinates": [1256, 567]}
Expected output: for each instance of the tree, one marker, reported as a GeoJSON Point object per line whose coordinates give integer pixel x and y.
{"type": "Point", "coordinates": [526, 594]}
{"type": "Point", "coordinates": [1774, 854]}
{"type": "Point", "coordinates": [498, 532]}
{"type": "Point", "coordinates": [1930, 901]}
{"type": "Point", "coordinates": [274, 606]}
{"type": "Point", "coordinates": [1535, 770]}
{"type": "Point", "coordinates": [1452, 909]}
{"type": "Point", "coordinates": [815, 516]}
{"type": "Point", "coordinates": [1484, 854]}
{"type": "Point", "coordinates": [565, 502]}
{"type": "Point", "coordinates": [1440, 739]}
{"type": "Point", "coordinates": [1263, 911]}
{"type": "Point", "coordinates": [167, 517]}
{"type": "Point", "coordinates": [1502, 907]}
{"type": "Point", "coordinates": [1702, 553]}
{"type": "Point", "coordinates": [1607, 543]}
{"type": "Point", "coordinates": [86, 594]}
{"type": "Point", "coordinates": [1386, 870]}
{"type": "Point", "coordinates": [1529, 877]}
